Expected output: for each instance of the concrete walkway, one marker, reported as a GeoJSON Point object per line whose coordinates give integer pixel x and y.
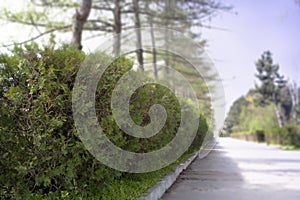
{"type": "Point", "coordinates": [240, 170]}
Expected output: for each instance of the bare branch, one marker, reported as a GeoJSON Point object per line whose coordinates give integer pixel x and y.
{"type": "Point", "coordinates": [35, 26]}
{"type": "Point", "coordinates": [102, 8]}
{"type": "Point", "coordinates": [31, 23]}
{"type": "Point", "coordinates": [100, 21]}
{"type": "Point", "coordinates": [53, 5]}
{"type": "Point", "coordinates": [38, 36]}
{"type": "Point", "coordinates": [98, 28]}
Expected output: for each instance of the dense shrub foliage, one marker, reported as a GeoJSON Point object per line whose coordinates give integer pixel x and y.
{"type": "Point", "coordinates": [286, 136]}
{"type": "Point", "coordinates": [40, 152]}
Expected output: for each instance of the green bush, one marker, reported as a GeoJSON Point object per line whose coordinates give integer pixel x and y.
{"type": "Point", "coordinates": [255, 136]}
{"type": "Point", "coordinates": [260, 134]}
{"type": "Point", "coordinates": [287, 135]}
{"type": "Point", "coordinates": [40, 152]}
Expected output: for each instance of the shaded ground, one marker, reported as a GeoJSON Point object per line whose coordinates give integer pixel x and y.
{"type": "Point", "coordinates": [240, 170]}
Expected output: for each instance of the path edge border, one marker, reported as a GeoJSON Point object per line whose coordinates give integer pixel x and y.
{"type": "Point", "coordinates": [158, 190]}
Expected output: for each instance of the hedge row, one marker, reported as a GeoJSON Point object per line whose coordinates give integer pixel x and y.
{"type": "Point", "coordinates": [41, 154]}
{"type": "Point", "coordinates": [287, 136]}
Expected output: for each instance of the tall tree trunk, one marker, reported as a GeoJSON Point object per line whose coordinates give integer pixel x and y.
{"type": "Point", "coordinates": [277, 112]}
{"type": "Point", "coordinates": [293, 89]}
{"type": "Point", "coordinates": [154, 56]}
{"type": "Point", "coordinates": [117, 28]}
{"type": "Point", "coordinates": [137, 22]}
{"type": "Point", "coordinates": [278, 116]}
{"type": "Point", "coordinates": [154, 59]}
{"type": "Point", "coordinates": [167, 13]}
{"type": "Point", "coordinates": [79, 18]}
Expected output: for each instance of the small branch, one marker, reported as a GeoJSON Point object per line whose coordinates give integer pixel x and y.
{"type": "Point", "coordinates": [38, 36]}
{"type": "Point", "coordinates": [98, 28]}
{"type": "Point", "coordinates": [34, 24]}
{"type": "Point", "coordinates": [100, 21]}
{"type": "Point", "coordinates": [102, 8]}
{"type": "Point", "coordinates": [54, 5]}
{"type": "Point", "coordinates": [211, 27]}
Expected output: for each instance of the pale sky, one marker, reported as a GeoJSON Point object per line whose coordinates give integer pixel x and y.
{"type": "Point", "coordinates": [259, 25]}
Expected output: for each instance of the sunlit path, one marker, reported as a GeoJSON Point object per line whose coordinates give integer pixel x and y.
{"type": "Point", "coordinates": [240, 170]}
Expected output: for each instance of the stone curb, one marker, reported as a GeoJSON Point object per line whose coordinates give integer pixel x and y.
{"type": "Point", "coordinates": [158, 190]}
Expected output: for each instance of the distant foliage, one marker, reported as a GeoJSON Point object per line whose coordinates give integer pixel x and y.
{"type": "Point", "coordinates": [286, 136]}
{"type": "Point", "coordinates": [270, 79]}
{"type": "Point", "coordinates": [274, 102]}
{"type": "Point", "coordinates": [274, 88]}
{"type": "Point", "coordinates": [247, 114]}
{"type": "Point", "coordinates": [232, 119]}
{"type": "Point", "coordinates": [40, 152]}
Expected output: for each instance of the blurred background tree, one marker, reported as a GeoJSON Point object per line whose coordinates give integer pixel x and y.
{"type": "Point", "coordinates": [100, 17]}
{"type": "Point", "coordinates": [273, 103]}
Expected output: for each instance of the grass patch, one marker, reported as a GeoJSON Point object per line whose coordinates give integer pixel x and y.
{"type": "Point", "coordinates": [127, 187]}
{"type": "Point", "coordinates": [286, 147]}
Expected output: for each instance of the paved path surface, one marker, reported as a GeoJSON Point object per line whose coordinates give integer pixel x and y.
{"type": "Point", "coordinates": [238, 170]}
